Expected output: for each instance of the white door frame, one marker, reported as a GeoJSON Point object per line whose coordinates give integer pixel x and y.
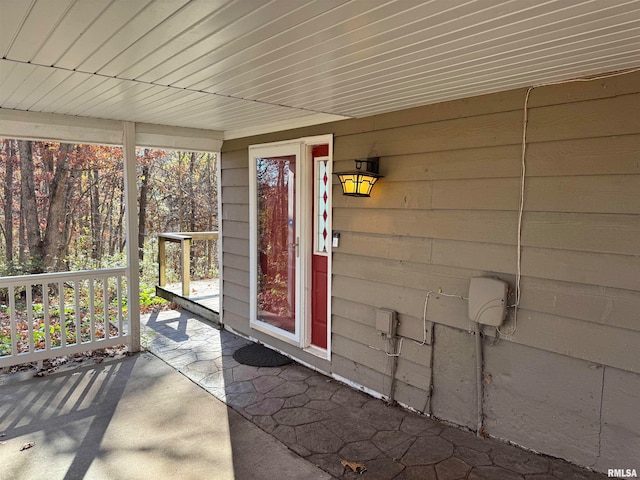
{"type": "Point", "coordinates": [304, 178]}
{"type": "Point", "coordinates": [262, 151]}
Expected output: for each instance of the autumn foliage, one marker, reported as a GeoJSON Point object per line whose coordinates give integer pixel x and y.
{"type": "Point", "coordinates": [63, 209]}
{"type": "Point", "coordinates": [63, 206]}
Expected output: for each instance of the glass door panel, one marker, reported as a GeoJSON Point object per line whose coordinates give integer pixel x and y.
{"type": "Point", "coordinates": [277, 241]}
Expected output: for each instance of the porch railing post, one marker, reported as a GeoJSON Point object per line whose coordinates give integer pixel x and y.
{"type": "Point", "coordinates": [162, 261]}
{"type": "Point", "coordinates": [133, 264]}
{"type": "Point", "coordinates": [186, 265]}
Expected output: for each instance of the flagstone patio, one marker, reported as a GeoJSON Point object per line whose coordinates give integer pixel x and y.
{"type": "Point", "coordinates": [326, 422]}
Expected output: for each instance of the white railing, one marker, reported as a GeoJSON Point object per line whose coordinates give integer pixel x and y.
{"type": "Point", "coordinates": [54, 314]}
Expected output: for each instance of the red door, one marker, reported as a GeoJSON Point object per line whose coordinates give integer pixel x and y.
{"type": "Point", "coordinates": [321, 245]}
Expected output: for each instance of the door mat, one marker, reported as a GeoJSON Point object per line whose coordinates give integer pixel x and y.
{"type": "Point", "coordinates": [258, 355]}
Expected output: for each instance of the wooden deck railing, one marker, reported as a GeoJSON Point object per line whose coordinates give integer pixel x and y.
{"type": "Point", "coordinates": [184, 239]}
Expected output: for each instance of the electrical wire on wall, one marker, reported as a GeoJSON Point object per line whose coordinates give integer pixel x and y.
{"type": "Point", "coordinates": [393, 353]}
{"type": "Point", "coordinates": [523, 171]}
{"type": "Point", "coordinates": [428, 407]}
{"type": "Point", "coordinates": [424, 312]}
{"type": "Point", "coordinates": [394, 349]}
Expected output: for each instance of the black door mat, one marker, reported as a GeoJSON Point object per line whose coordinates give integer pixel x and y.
{"type": "Point", "coordinates": [258, 355]}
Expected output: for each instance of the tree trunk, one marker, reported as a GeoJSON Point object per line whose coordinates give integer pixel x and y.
{"type": "Point", "coordinates": [22, 243]}
{"type": "Point", "coordinates": [8, 201]}
{"type": "Point", "coordinates": [107, 224]}
{"type": "Point", "coordinates": [142, 217]}
{"type": "Point", "coordinates": [180, 194]}
{"type": "Point", "coordinates": [29, 205]}
{"type": "Point", "coordinates": [192, 181]}
{"type": "Point", "coordinates": [118, 234]}
{"type": "Point", "coordinates": [70, 214]}
{"type": "Point", "coordinates": [96, 221]}
{"type": "Point", "coordinates": [212, 193]}
{"type": "Point", "coordinates": [54, 242]}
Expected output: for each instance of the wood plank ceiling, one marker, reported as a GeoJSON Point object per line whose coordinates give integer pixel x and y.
{"type": "Point", "coordinates": [249, 66]}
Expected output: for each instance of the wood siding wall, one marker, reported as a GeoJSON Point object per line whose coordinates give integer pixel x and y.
{"type": "Point", "coordinates": [446, 211]}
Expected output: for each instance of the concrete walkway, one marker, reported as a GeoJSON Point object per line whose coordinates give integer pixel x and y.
{"type": "Point", "coordinates": [131, 418]}
{"type": "Point", "coordinates": [326, 422]}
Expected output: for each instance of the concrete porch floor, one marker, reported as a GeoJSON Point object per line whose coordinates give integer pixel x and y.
{"type": "Point", "coordinates": [131, 418]}
{"type": "Point", "coordinates": [324, 421]}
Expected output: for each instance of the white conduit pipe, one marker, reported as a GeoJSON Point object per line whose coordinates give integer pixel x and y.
{"type": "Point", "coordinates": [479, 389]}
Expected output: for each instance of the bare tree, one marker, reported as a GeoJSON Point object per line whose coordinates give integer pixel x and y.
{"type": "Point", "coordinates": [8, 199]}
{"type": "Point", "coordinates": [47, 241]}
{"type": "Point", "coordinates": [144, 195]}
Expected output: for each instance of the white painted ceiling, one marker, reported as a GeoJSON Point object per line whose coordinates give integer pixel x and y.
{"type": "Point", "coordinates": [249, 66]}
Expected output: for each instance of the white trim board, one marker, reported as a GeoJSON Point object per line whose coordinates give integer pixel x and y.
{"type": "Point", "coordinates": [71, 129]}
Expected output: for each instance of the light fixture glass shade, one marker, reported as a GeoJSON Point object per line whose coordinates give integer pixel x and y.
{"type": "Point", "coordinates": [357, 183]}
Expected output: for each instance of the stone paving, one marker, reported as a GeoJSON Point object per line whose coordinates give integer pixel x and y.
{"type": "Point", "coordinates": [326, 422]}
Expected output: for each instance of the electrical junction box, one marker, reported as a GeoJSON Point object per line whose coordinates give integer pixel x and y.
{"type": "Point", "coordinates": [488, 301]}
{"type": "Point", "coordinates": [386, 322]}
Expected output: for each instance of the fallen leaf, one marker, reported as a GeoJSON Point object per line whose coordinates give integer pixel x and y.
{"type": "Point", "coordinates": [356, 467]}
{"type": "Point", "coordinates": [27, 446]}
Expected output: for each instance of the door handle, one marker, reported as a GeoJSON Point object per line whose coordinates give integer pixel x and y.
{"type": "Point", "coordinates": [296, 245]}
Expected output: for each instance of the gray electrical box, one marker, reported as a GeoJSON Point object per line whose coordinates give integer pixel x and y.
{"type": "Point", "coordinates": [386, 321]}
{"type": "Point", "coordinates": [488, 301]}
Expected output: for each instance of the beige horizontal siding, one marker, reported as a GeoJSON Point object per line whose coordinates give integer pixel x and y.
{"type": "Point", "coordinates": [238, 293]}
{"type": "Point", "coordinates": [588, 194]}
{"type": "Point", "coordinates": [592, 118]}
{"type": "Point", "coordinates": [369, 336]}
{"type": "Point", "coordinates": [619, 271]}
{"type": "Point", "coordinates": [239, 308]}
{"type": "Point", "coordinates": [239, 322]}
{"type": "Point", "coordinates": [472, 226]}
{"type": "Point", "coordinates": [235, 211]}
{"type": "Point", "coordinates": [236, 229]}
{"type": "Point", "coordinates": [575, 338]}
{"type": "Point", "coordinates": [591, 303]}
{"type": "Point", "coordinates": [405, 195]}
{"type": "Point", "coordinates": [408, 325]}
{"type": "Point", "coordinates": [236, 159]}
{"type": "Point", "coordinates": [446, 211]}
{"type": "Point", "coordinates": [234, 177]}
{"type": "Point", "coordinates": [238, 277]}
{"type": "Point", "coordinates": [610, 270]}
{"type": "Point", "coordinates": [237, 246]}
{"type": "Point", "coordinates": [413, 249]}
{"type": "Point", "coordinates": [238, 262]}
{"type": "Point", "coordinates": [472, 132]}
{"type": "Point", "coordinates": [616, 155]}
{"type": "Point", "coordinates": [463, 108]}
{"type": "Point", "coordinates": [573, 92]}
{"type": "Point", "coordinates": [235, 195]}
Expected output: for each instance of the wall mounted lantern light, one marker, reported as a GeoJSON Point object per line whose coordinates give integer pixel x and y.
{"type": "Point", "coordinates": [358, 182]}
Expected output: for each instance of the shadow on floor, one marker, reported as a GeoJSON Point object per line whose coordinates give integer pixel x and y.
{"type": "Point", "coordinates": [133, 418]}
{"type": "Point", "coordinates": [327, 422]}
{"type": "Point", "coordinates": [70, 410]}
